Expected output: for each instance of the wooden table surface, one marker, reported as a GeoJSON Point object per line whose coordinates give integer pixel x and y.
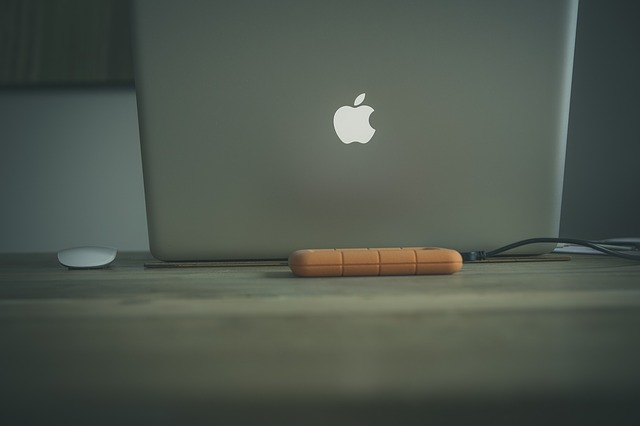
{"type": "Point", "coordinates": [515, 343]}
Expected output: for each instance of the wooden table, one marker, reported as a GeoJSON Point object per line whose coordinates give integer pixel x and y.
{"type": "Point", "coordinates": [516, 343]}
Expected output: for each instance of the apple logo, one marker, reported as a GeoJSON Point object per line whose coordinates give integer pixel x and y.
{"type": "Point", "coordinates": [352, 122]}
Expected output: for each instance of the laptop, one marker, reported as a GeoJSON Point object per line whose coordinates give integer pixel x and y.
{"type": "Point", "coordinates": [268, 127]}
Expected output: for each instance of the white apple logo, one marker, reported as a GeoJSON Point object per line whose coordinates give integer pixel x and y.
{"type": "Point", "coordinates": [352, 122]}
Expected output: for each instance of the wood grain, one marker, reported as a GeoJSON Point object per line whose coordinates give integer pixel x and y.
{"type": "Point", "coordinates": [500, 344]}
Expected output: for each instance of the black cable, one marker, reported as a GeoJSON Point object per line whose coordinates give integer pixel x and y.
{"type": "Point", "coordinates": [481, 255]}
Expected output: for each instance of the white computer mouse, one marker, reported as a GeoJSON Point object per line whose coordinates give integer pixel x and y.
{"type": "Point", "coordinates": [87, 257]}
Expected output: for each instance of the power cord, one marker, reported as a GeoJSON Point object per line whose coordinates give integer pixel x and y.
{"type": "Point", "coordinates": [596, 245]}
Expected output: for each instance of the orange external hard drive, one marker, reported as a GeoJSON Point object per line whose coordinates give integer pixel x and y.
{"type": "Point", "coordinates": [374, 261]}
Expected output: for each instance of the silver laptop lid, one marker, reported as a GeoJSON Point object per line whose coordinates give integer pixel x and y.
{"type": "Point", "coordinates": [243, 104]}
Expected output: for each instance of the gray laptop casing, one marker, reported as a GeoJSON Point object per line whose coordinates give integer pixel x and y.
{"type": "Point", "coordinates": [241, 160]}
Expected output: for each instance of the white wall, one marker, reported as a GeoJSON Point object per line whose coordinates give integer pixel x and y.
{"type": "Point", "coordinates": [70, 170]}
